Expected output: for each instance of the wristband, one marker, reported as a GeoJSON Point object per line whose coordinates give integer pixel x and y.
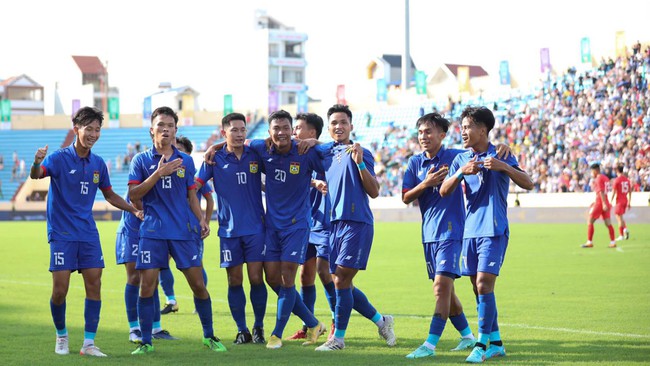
{"type": "Point", "coordinates": [362, 165]}
{"type": "Point", "coordinates": [459, 174]}
{"type": "Point", "coordinates": [36, 165]}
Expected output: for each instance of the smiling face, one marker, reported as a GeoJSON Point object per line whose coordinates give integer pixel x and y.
{"type": "Point", "coordinates": [235, 133]}
{"type": "Point", "coordinates": [163, 129]}
{"type": "Point", "coordinates": [472, 133]}
{"type": "Point", "coordinates": [340, 127]}
{"type": "Point", "coordinates": [280, 132]}
{"type": "Point", "coordinates": [430, 137]}
{"type": "Point", "coordinates": [87, 135]}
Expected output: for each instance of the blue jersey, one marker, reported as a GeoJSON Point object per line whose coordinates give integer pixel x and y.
{"type": "Point", "coordinates": [348, 199]}
{"type": "Point", "coordinates": [288, 180]}
{"type": "Point", "coordinates": [320, 207]}
{"type": "Point", "coordinates": [486, 194]}
{"type": "Point", "coordinates": [166, 212]}
{"type": "Point", "coordinates": [238, 185]}
{"type": "Point", "coordinates": [129, 223]}
{"type": "Point", "coordinates": [73, 186]}
{"type": "Point", "coordinates": [443, 218]}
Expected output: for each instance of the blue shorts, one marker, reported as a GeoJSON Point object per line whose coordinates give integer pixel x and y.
{"type": "Point", "coordinates": [154, 253]}
{"type": "Point", "coordinates": [126, 248]}
{"type": "Point", "coordinates": [286, 246]}
{"type": "Point", "coordinates": [242, 249]}
{"type": "Point", "coordinates": [319, 245]}
{"type": "Point", "coordinates": [75, 255]}
{"type": "Point", "coordinates": [484, 254]}
{"type": "Point", "coordinates": [350, 244]}
{"type": "Point", "coordinates": [443, 257]}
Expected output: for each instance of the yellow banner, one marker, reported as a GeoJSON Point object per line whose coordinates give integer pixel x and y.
{"type": "Point", "coordinates": [463, 78]}
{"type": "Point", "coordinates": [621, 49]}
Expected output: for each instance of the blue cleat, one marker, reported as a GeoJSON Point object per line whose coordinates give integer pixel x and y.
{"type": "Point", "coordinates": [477, 355]}
{"type": "Point", "coordinates": [495, 351]}
{"type": "Point", "coordinates": [421, 352]}
{"type": "Point", "coordinates": [465, 343]}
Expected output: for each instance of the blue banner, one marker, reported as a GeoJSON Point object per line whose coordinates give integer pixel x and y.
{"type": "Point", "coordinates": [146, 111]}
{"type": "Point", "coordinates": [382, 90]}
{"type": "Point", "coordinates": [302, 101]}
{"type": "Point", "coordinates": [504, 72]}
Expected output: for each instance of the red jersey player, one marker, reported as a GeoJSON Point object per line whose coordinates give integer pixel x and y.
{"type": "Point", "coordinates": [622, 192]}
{"type": "Point", "coordinates": [600, 208]}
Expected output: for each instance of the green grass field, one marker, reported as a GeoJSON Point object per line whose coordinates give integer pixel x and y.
{"type": "Point", "coordinates": [558, 304]}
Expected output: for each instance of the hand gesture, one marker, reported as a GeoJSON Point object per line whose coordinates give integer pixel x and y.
{"type": "Point", "coordinates": [472, 167]}
{"type": "Point", "coordinates": [494, 164]}
{"type": "Point", "coordinates": [435, 178]}
{"type": "Point", "coordinates": [503, 151]}
{"type": "Point", "coordinates": [170, 167]}
{"type": "Point", "coordinates": [40, 155]}
{"type": "Point", "coordinates": [209, 153]}
{"type": "Point", "coordinates": [357, 153]}
{"type": "Point", "coordinates": [305, 145]}
{"type": "Point", "coordinates": [320, 185]}
{"type": "Point", "coordinates": [205, 229]}
{"type": "Point", "coordinates": [140, 214]}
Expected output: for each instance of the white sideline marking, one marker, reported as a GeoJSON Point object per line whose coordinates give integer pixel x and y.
{"type": "Point", "coordinates": [566, 330]}
{"type": "Point", "coordinates": [619, 249]}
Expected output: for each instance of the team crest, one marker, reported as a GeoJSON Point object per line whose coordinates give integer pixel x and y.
{"type": "Point", "coordinates": [253, 167]}
{"type": "Point", "coordinates": [95, 177]}
{"type": "Point", "coordinates": [181, 172]}
{"type": "Point", "coordinates": [294, 168]}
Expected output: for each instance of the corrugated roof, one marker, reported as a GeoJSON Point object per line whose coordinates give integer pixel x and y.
{"type": "Point", "coordinates": [89, 64]}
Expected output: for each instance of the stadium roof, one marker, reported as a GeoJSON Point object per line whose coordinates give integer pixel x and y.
{"type": "Point", "coordinates": [396, 60]}
{"type": "Point", "coordinates": [474, 71]}
{"type": "Point", "coordinates": [89, 64]}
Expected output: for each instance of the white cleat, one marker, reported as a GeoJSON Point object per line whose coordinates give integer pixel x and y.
{"type": "Point", "coordinates": [91, 350]}
{"type": "Point", "coordinates": [387, 332]}
{"type": "Point", "coordinates": [331, 345]}
{"type": "Point", "coordinates": [61, 347]}
{"type": "Point", "coordinates": [620, 238]}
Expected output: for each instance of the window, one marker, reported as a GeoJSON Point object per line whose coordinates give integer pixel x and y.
{"type": "Point", "coordinates": [274, 50]}
{"type": "Point", "coordinates": [293, 50]}
{"type": "Point", "coordinates": [292, 76]}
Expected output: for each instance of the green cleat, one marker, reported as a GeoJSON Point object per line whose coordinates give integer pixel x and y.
{"type": "Point", "coordinates": [465, 343]}
{"type": "Point", "coordinates": [421, 352]}
{"type": "Point", "coordinates": [142, 349]}
{"type": "Point", "coordinates": [214, 344]}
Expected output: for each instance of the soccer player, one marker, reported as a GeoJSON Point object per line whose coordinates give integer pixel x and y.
{"type": "Point", "coordinates": [166, 277]}
{"type": "Point", "coordinates": [350, 174]}
{"type": "Point", "coordinates": [310, 126]}
{"type": "Point", "coordinates": [163, 178]}
{"type": "Point", "coordinates": [236, 172]}
{"type": "Point", "coordinates": [443, 222]}
{"type": "Point", "coordinates": [485, 238]}
{"type": "Point", "coordinates": [287, 221]}
{"type": "Point", "coordinates": [622, 193]}
{"type": "Point", "coordinates": [600, 208]}
{"type": "Point", "coordinates": [75, 175]}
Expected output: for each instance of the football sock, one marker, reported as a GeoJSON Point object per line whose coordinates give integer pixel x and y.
{"type": "Point", "coordinates": [611, 232]}
{"type": "Point", "coordinates": [486, 313]}
{"type": "Point", "coordinates": [620, 230]}
{"type": "Point", "coordinates": [435, 330]}
{"type": "Point", "coordinates": [131, 301]}
{"type": "Point", "coordinates": [58, 316]}
{"type": "Point", "coordinates": [286, 302]}
{"type": "Point", "coordinates": [92, 309]}
{"type": "Point", "coordinates": [344, 304]}
{"type": "Point", "coordinates": [166, 278]}
{"type": "Point", "coordinates": [308, 295]}
{"type": "Point", "coordinates": [461, 325]}
{"type": "Point", "coordinates": [330, 295]}
{"type": "Point", "coordinates": [590, 232]}
{"type": "Point", "coordinates": [145, 314]}
{"type": "Point", "coordinates": [258, 295]}
{"type": "Point", "coordinates": [156, 308]}
{"type": "Point", "coordinates": [301, 311]}
{"type": "Point", "coordinates": [364, 307]}
{"type": "Point", "coordinates": [237, 303]}
{"type": "Point", "coordinates": [204, 309]}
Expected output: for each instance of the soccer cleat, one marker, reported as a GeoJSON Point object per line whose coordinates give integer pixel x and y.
{"type": "Point", "coordinates": [612, 244]}
{"type": "Point", "coordinates": [421, 352]}
{"type": "Point", "coordinates": [135, 336]}
{"type": "Point", "coordinates": [169, 308]}
{"type": "Point", "coordinates": [274, 342]}
{"type": "Point", "coordinates": [495, 351]}
{"type": "Point", "coordinates": [465, 343]}
{"type": "Point", "coordinates": [163, 334]}
{"type": "Point", "coordinates": [331, 345]}
{"type": "Point", "coordinates": [61, 347]}
{"type": "Point", "coordinates": [258, 335]}
{"type": "Point", "coordinates": [313, 333]}
{"type": "Point", "coordinates": [214, 344]}
{"type": "Point", "coordinates": [477, 355]}
{"type": "Point", "coordinates": [243, 337]}
{"type": "Point", "coordinates": [627, 234]}
{"type": "Point", "coordinates": [587, 245]}
{"type": "Point", "coordinates": [620, 237]}
{"type": "Point", "coordinates": [300, 334]}
{"type": "Point", "coordinates": [142, 349]}
{"type": "Point", "coordinates": [91, 350]}
{"type": "Point", "coordinates": [387, 332]}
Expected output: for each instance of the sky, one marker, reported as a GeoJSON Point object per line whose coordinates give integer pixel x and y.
{"type": "Point", "coordinates": [207, 44]}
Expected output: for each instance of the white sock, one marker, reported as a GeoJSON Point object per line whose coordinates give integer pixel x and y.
{"type": "Point", "coordinates": [89, 342]}
{"type": "Point", "coordinates": [429, 346]}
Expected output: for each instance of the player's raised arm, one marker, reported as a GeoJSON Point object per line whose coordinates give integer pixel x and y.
{"type": "Point", "coordinates": [139, 190]}
{"type": "Point", "coordinates": [472, 167]}
{"type": "Point", "coordinates": [36, 171]}
{"type": "Point", "coordinates": [434, 178]}
{"type": "Point", "coordinates": [117, 201]}
{"type": "Point", "coordinates": [520, 177]}
{"type": "Point", "coordinates": [370, 184]}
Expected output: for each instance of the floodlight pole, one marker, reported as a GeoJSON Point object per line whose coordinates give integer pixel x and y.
{"type": "Point", "coordinates": [406, 57]}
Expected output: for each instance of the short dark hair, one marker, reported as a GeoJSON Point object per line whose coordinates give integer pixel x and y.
{"type": "Point", "coordinates": [312, 119]}
{"type": "Point", "coordinates": [228, 118]}
{"type": "Point", "coordinates": [595, 166]}
{"type": "Point", "coordinates": [339, 108]}
{"type": "Point", "coordinates": [164, 111]}
{"type": "Point", "coordinates": [619, 168]}
{"type": "Point", "coordinates": [87, 115]}
{"type": "Point", "coordinates": [479, 115]}
{"type": "Point", "coordinates": [185, 142]}
{"type": "Point", "coordinates": [434, 119]}
{"type": "Point", "coordinates": [281, 114]}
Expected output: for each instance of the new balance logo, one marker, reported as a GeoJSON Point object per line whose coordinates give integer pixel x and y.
{"type": "Point", "coordinates": [73, 171]}
{"type": "Point", "coordinates": [152, 167]}
{"type": "Point", "coordinates": [348, 257]}
{"type": "Point", "coordinates": [492, 264]}
{"type": "Point", "coordinates": [294, 253]}
{"type": "Point", "coordinates": [194, 258]}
